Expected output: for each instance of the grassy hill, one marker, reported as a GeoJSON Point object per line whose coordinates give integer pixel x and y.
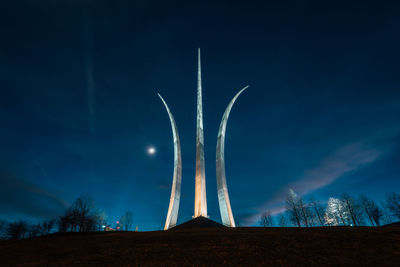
{"type": "Point", "coordinates": [211, 246]}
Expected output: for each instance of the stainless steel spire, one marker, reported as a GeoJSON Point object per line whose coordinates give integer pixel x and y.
{"type": "Point", "coordinates": [223, 196]}
{"type": "Point", "coordinates": [173, 208]}
{"type": "Point", "coordinates": [200, 202]}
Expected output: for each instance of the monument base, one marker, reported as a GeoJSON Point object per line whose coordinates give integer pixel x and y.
{"type": "Point", "coordinates": [198, 222]}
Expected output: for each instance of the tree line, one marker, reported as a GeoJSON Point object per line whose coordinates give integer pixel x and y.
{"type": "Point", "coordinates": [343, 211]}
{"type": "Point", "coordinates": [81, 216]}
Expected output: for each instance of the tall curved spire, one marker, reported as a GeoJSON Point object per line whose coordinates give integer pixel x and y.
{"type": "Point", "coordinates": [200, 200]}
{"type": "Point", "coordinates": [223, 196]}
{"type": "Point", "coordinates": [172, 215]}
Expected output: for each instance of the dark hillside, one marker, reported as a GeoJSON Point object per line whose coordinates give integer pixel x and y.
{"type": "Point", "coordinates": [212, 246]}
{"type": "Point", "coordinates": [396, 224]}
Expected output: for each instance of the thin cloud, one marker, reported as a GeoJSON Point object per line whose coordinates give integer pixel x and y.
{"type": "Point", "coordinates": [344, 160]}
{"type": "Point", "coordinates": [18, 197]}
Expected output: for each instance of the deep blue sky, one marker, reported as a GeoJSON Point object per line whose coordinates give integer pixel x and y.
{"type": "Point", "coordinates": [78, 103]}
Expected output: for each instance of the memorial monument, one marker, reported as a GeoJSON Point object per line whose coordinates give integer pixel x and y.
{"type": "Point", "coordinates": [200, 203]}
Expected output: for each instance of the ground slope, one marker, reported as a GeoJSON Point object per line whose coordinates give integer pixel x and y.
{"type": "Point", "coordinates": [212, 246]}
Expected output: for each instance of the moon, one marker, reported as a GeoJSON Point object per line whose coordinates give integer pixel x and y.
{"type": "Point", "coordinates": [151, 150]}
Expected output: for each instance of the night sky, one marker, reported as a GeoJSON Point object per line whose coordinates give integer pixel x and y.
{"type": "Point", "coordinates": [79, 106]}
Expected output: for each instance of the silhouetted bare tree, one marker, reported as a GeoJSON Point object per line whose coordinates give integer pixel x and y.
{"type": "Point", "coordinates": [318, 210]}
{"type": "Point", "coordinates": [34, 230]}
{"type": "Point", "coordinates": [377, 215]}
{"type": "Point", "coordinates": [293, 208]}
{"type": "Point", "coordinates": [47, 226]}
{"type": "Point", "coordinates": [3, 226]}
{"type": "Point", "coordinates": [387, 216]}
{"type": "Point", "coordinates": [373, 212]}
{"type": "Point", "coordinates": [393, 204]}
{"type": "Point", "coordinates": [266, 219]}
{"type": "Point", "coordinates": [100, 218]}
{"type": "Point", "coordinates": [126, 221]}
{"type": "Point", "coordinates": [367, 205]}
{"type": "Point", "coordinates": [64, 222]}
{"type": "Point", "coordinates": [282, 221]}
{"type": "Point", "coordinates": [298, 210]}
{"type": "Point", "coordinates": [304, 212]}
{"type": "Point", "coordinates": [41, 228]}
{"type": "Point", "coordinates": [17, 230]}
{"type": "Point", "coordinates": [353, 208]}
{"type": "Point", "coordinates": [81, 216]}
{"type": "Point", "coordinates": [83, 207]}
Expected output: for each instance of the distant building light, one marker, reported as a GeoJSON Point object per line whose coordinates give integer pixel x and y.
{"type": "Point", "coordinates": [103, 226]}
